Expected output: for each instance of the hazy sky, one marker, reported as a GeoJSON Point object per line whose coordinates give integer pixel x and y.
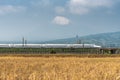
{"type": "Point", "coordinates": [56, 19]}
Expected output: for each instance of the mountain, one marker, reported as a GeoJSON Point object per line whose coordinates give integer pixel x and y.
{"type": "Point", "coordinates": [104, 39]}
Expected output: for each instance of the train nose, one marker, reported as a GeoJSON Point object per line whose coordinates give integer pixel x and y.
{"type": "Point", "coordinates": [97, 46]}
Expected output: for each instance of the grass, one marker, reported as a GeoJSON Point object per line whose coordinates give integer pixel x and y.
{"type": "Point", "coordinates": [59, 55]}
{"type": "Point", "coordinates": [17, 67]}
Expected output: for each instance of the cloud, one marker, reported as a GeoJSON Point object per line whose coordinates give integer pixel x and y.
{"type": "Point", "coordinates": [91, 3]}
{"type": "Point", "coordinates": [5, 9]}
{"type": "Point", "coordinates": [60, 20]}
{"type": "Point", "coordinates": [85, 6]}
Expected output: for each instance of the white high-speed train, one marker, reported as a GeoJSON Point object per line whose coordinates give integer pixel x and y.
{"type": "Point", "coordinates": [49, 46]}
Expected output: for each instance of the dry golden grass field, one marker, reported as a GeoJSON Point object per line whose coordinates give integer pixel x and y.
{"type": "Point", "coordinates": [59, 68]}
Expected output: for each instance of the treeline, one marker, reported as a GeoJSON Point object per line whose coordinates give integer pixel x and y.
{"type": "Point", "coordinates": [60, 50]}
{"type": "Point", "coordinates": [49, 50]}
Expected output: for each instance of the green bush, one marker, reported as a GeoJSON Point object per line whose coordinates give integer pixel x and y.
{"type": "Point", "coordinates": [52, 52]}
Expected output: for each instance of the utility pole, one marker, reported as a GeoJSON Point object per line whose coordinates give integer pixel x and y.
{"type": "Point", "coordinates": [78, 41]}
{"type": "Point", "coordinates": [77, 37]}
{"type": "Point", "coordinates": [23, 41]}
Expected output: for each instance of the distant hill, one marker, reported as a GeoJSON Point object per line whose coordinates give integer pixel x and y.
{"type": "Point", "coordinates": [104, 39]}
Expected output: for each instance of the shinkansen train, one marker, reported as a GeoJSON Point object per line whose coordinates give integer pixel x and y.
{"type": "Point", "coordinates": [49, 46]}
